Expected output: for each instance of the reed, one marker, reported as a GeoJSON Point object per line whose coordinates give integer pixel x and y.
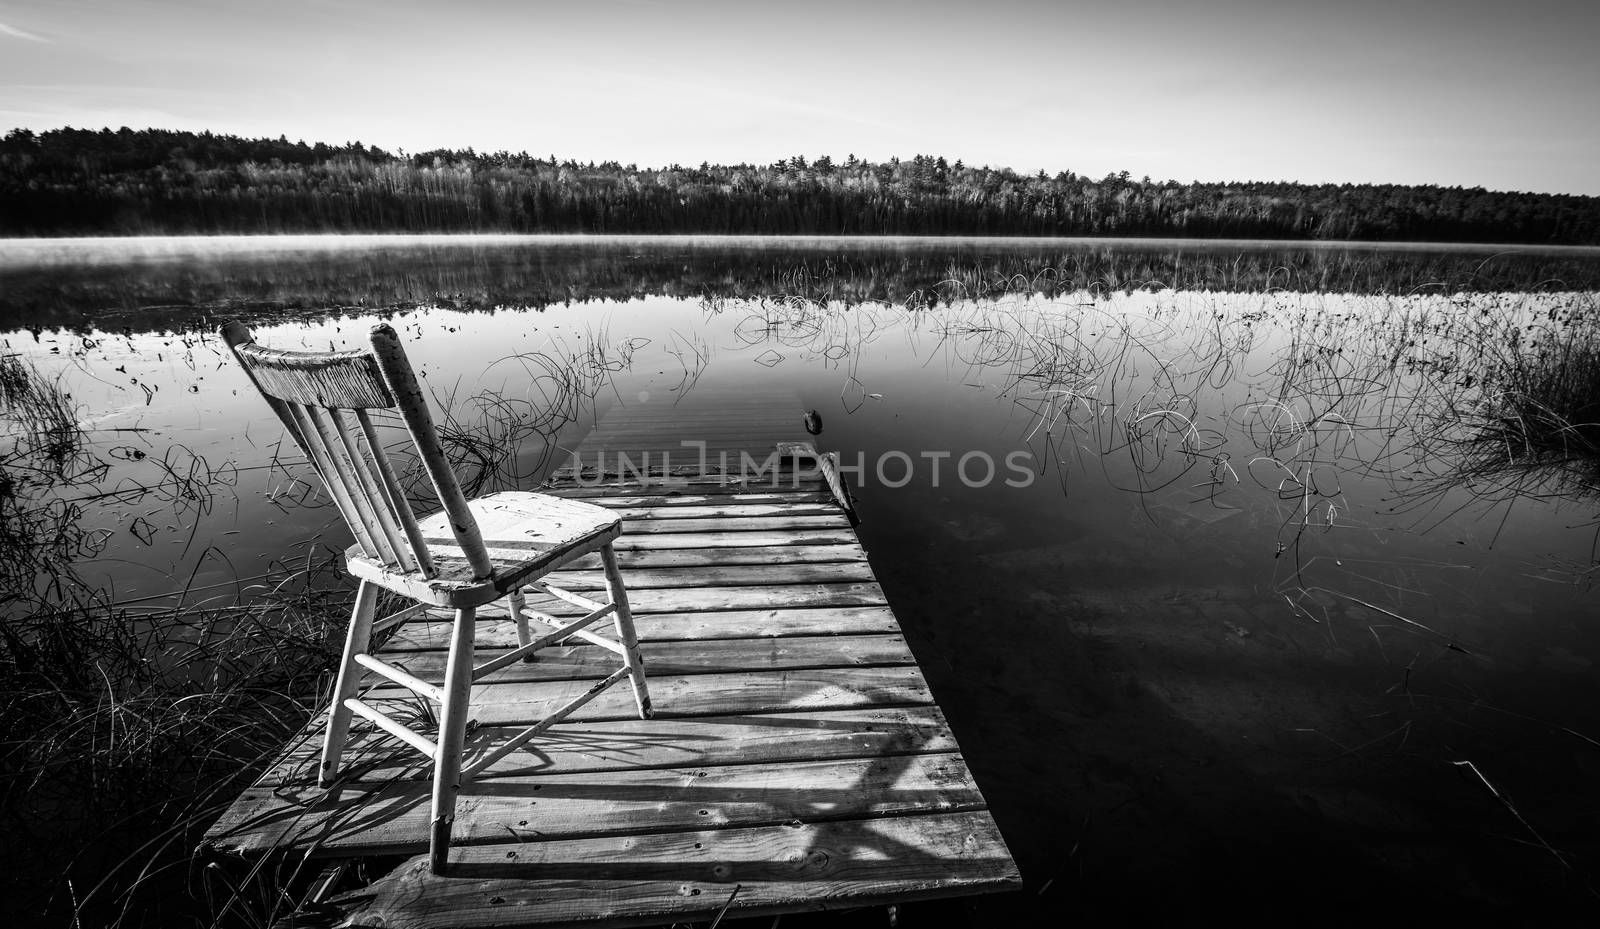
{"type": "Point", "coordinates": [1543, 393]}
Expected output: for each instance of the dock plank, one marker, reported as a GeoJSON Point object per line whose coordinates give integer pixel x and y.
{"type": "Point", "coordinates": [835, 520]}
{"type": "Point", "coordinates": [669, 742]}
{"type": "Point", "coordinates": [392, 817]}
{"type": "Point", "coordinates": [495, 630]}
{"type": "Point", "coordinates": [527, 702]}
{"type": "Point", "coordinates": [777, 543]}
{"type": "Point", "coordinates": [586, 662]}
{"type": "Point", "coordinates": [730, 555]}
{"type": "Point", "coordinates": [720, 575]}
{"type": "Point", "coordinates": [687, 877]}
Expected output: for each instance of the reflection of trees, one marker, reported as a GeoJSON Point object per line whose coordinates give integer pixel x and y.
{"type": "Point", "coordinates": [189, 292]}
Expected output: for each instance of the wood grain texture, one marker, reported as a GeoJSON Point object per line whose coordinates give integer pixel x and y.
{"type": "Point", "coordinates": [343, 379]}
{"type": "Point", "coordinates": [625, 744]}
{"type": "Point", "coordinates": [496, 631]}
{"type": "Point", "coordinates": [688, 877]}
{"type": "Point", "coordinates": [720, 575]}
{"type": "Point", "coordinates": [775, 541]}
{"type": "Point", "coordinates": [392, 818]}
{"type": "Point", "coordinates": [729, 556]}
{"type": "Point", "coordinates": [585, 662]}
{"type": "Point", "coordinates": [833, 520]}
{"type": "Point", "coordinates": [700, 694]}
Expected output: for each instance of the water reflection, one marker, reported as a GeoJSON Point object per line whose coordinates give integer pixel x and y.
{"type": "Point", "coordinates": [1284, 554]}
{"type": "Point", "coordinates": [186, 283]}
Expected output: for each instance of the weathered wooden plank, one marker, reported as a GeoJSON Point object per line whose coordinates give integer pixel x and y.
{"type": "Point", "coordinates": [586, 662]}
{"type": "Point", "coordinates": [719, 576]}
{"type": "Point", "coordinates": [777, 542]}
{"type": "Point", "coordinates": [495, 630]}
{"type": "Point", "coordinates": [771, 596]}
{"type": "Point", "coordinates": [590, 473]}
{"type": "Point", "coordinates": [392, 818]}
{"type": "Point", "coordinates": [687, 499]}
{"type": "Point", "coordinates": [732, 555]}
{"type": "Point", "coordinates": [688, 877]}
{"type": "Point", "coordinates": [669, 742]}
{"type": "Point", "coordinates": [698, 694]}
{"type": "Point", "coordinates": [789, 479]}
{"type": "Point", "coordinates": [740, 510]}
{"type": "Point", "coordinates": [833, 520]}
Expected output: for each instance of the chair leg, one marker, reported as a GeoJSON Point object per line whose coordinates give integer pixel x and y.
{"type": "Point", "coordinates": [357, 640]}
{"type": "Point", "coordinates": [630, 641]}
{"type": "Point", "coordinates": [452, 737]}
{"type": "Point", "coordinates": [517, 601]}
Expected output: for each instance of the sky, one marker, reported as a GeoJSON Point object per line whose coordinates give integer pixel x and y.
{"type": "Point", "coordinates": [1503, 94]}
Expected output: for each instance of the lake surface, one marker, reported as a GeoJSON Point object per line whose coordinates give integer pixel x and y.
{"type": "Point", "coordinates": [1216, 555]}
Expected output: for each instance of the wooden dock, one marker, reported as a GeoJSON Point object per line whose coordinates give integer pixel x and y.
{"type": "Point", "coordinates": [797, 761]}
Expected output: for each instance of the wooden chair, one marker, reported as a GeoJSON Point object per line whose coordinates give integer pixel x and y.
{"type": "Point", "coordinates": [470, 554]}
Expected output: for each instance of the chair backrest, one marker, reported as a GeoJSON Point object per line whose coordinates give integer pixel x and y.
{"type": "Point", "coordinates": [316, 394]}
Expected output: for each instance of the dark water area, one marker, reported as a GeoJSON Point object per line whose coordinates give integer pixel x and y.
{"type": "Point", "coordinates": [1255, 582]}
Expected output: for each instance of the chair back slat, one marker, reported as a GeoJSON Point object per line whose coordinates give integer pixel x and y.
{"type": "Point", "coordinates": [314, 444]}
{"type": "Point", "coordinates": [343, 474]}
{"type": "Point", "coordinates": [395, 497]}
{"type": "Point", "coordinates": [309, 390]}
{"type": "Point", "coordinates": [378, 500]}
{"type": "Point", "coordinates": [402, 384]}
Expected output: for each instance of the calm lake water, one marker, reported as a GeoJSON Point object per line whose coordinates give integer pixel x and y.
{"type": "Point", "coordinates": [1246, 589]}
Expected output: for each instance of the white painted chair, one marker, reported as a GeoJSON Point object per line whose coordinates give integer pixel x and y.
{"type": "Point", "coordinates": [470, 554]}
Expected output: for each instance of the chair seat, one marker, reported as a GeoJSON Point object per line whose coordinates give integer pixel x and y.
{"type": "Point", "coordinates": [527, 534]}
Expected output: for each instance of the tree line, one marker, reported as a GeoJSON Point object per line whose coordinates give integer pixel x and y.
{"type": "Point", "coordinates": [80, 181]}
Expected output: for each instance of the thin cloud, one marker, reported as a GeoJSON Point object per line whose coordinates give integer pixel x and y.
{"type": "Point", "coordinates": [18, 33]}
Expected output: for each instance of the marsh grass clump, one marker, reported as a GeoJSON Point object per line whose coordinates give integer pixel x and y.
{"type": "Point", "coordinates": [38, 426]}
{"type": "Point", "coordinates": [1542, 403]}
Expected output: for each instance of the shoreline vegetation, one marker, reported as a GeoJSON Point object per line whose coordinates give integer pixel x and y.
{"type": "Point", "coordinates": [74, 182]}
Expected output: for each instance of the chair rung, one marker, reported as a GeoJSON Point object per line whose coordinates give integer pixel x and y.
{"type": "Point", "coordinates": [563, 632]}
{"type": "Point", "coordinates": [583, 634]}
{"type": "Point", "coordinates": [517, 740]}
{"type": "Point", "coordinates": [398, 617]}
{"type": "Point", "coordinates": [431, 691]}
{"type": "Point", "coordinates": [414, 739]}
{"type": "Point", "coordinates": [577, 600]}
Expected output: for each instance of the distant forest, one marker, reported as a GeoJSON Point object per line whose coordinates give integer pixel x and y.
{"type": "Point", "coordinates": [126, 182]}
